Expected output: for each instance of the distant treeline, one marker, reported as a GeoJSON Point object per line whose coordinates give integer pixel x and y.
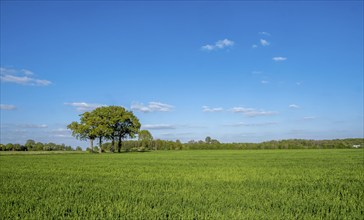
{"type": "Point", "coordinates": [31, 145]}
{"type": "Point", "coordinates": [211, 144]}
{"type": "Point", "coordinates": [208, 144]}
{"type": "Point", "coordinates": [145, 145]}
{"type": "Point", "coordinates": [281, 144]}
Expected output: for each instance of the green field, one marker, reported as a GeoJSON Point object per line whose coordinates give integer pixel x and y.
{"type": "Point", "coordinates": [221, 184]}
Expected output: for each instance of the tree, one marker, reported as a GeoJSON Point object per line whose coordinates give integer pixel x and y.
{"type": "Point", "coordinates": [145, 139]}
{"type": "Point", "coordinates": [145, 135]}
{"type": "Point", "coordinates": [101, 117]}
{"type": "Point", "coordinates": [214, 141]}
{"type": "Point", "coordinates": [9, 147]}
{"type": "Point", "coordinates": [30, 144]}
{"type": "Point", "coordinates": [115, 123]}
{"type": "Point", "coordinates": [85, 129]}
{"type": "Point", "coordinates": [125, 125]}
{"type": "Point", "coordinates": [78, 148]}
{"type": "Point", "coordinates": [208, 140]}
{"type": "Point", "coordinates": [112, 122]}
{"type": "Point", "coordinates": [38, 146]}
{"type": "Point", "coordinates": [178, 145]}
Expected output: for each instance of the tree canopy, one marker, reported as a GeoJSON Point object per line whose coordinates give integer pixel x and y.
{"type": "Point", "coordinates": [145, 135]}
{"type": "Point", "coordinates": [106, 123]}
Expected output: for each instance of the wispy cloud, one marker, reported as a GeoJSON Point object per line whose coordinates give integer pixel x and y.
{"type": "Point", "coordinates": [294, 106]}
{"type": "Point", "coordinates": [152, 107]}
{"type": "Point", "coordinates": [221, 44]}
{"type": "Point", "coordinates": [208, 109]}
{"type": "Point", "coordinates": [158, 126]}
{"type": "Point", "coordinates": [309, 118]}
{"type": "Point", "coordinates": [83, 106]}
{"type": "Point", "coordinates": [264, 82]}
{"type": "Point", "coordinates": [243, 124]}
{"type": "Point", "coordinates": [27, 72]}
{"type": "Point", "coordinates": [264, 33]}
{"type": "Point", "coordinates": [32, 126]}
{"type": "Point", "coordinates": [22, 77]}
{"type": "Point", "coordinates": [279, 59]}
{"type": "Point", "coordinates": [254, 46]}
{"type": "Point", "coordinates": [264, 43]}
{"type": "Point", "coordinates": [251, 112]}
{"type": "Point", "coordinates": [61, 132]}
{"type": "Point", "coordinates": [7, 107]}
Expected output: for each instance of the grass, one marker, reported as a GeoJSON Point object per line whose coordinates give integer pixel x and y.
{"type": "Point", "coordinates": [249, 184]}
{"type": "Point", "coordinates": [3, 153]}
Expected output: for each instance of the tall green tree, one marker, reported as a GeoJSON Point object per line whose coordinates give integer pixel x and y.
{"type": "Point", "coordinates": [145, 135]}
{"type": "Point", "coordinates": [30, 144]}
{"type": "Point", "coordinates": [145, 139]}
{"type": "Point", "coordinates": [85, 130]}
{"type": "Point", "coordinates": [111, 122]}
{"type": "Point", "coordinates": [9, 147]}
{"type": "Point", "coordinates": [102, 118]}
{"type": "Point", "coordinates": [115, 123]}
{"type": "Point", "coordinates": [126, 124]}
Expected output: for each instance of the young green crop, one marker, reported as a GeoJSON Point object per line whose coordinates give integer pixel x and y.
{"type": "Point", "coordinates": [255, 184]}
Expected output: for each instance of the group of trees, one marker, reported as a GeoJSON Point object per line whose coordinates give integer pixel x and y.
{"type": "Point", "coordinates": [281, 144]}
{"type": "Point", "coordinates": [113, 123]}
{"type": "Point", "coordinates": [146, 142]}
{"type": "Point", "coordinates": [142, 145]}
{"type": "Point", "coordinates": [31, 145]}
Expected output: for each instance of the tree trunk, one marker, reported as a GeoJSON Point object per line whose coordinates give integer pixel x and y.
{"type": "Point", "coordinates": [100, 145]}
{"type": "Point", "coordinates": [119, 144]}
{"type": "Point", "coordinates": [92, 145]}
{"type": "Point", "coordinates": [112, 145]}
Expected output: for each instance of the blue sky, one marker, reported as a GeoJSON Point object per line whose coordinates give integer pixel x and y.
{"type": "Point", "coordinates": [235, 71]}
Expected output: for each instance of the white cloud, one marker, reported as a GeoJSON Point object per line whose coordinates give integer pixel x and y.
{"type": "Point", "coordinates": [191, 126]}
{"type": "Point", "coordinates": [264, 82]}
{"type": "Point", "coordinates": [32, 126]}
{"type": "Point", "coordinates": [309, 118]}
{"type": "Point", "coordinates": [63, 136]}
{"type": "Point", "coordinates": [264, 33]}
{"type": "Point", "coordinates": [158, 126]}
{"type": "Point", "coordinates": [208, 47]}
{"type": "Point", "coordinates": [83, 106]}
{"type": "Point", "coordinates": [294, 106]}
{"type": "Point", "coordinates": [260, 113]}
{"type": "Point", "coordinates": [7, 107]}
{"type": "Point", "coordinates": [251, 112]}
{"type": "Point", "coordinates": [224, 43]}
{"type": "Point", "coordinates": [27, 72]}
{"type": "Point", "coordinates": [21, 77]}
{"type": "Point", "coordinates": [241, 109]}
{"type": "Point", "coordinates": [264, 42]}
{"type": "Point", "coordinates": [61, 132]}
{"type": "Point", "coordinates": [208, 109]}
{"type": "Point", "coordinates": [279, 58]}
{"type": "Point", "coordinates": [161, 107]}
{"type": "Point", "coordinates": [254, 46]}
{"type": "Point", "coordinates": [152, 107]}
{"type": "Point", "coordinates": [221, 44]}
{"type": "Point", "coordinates": [243, 124]}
